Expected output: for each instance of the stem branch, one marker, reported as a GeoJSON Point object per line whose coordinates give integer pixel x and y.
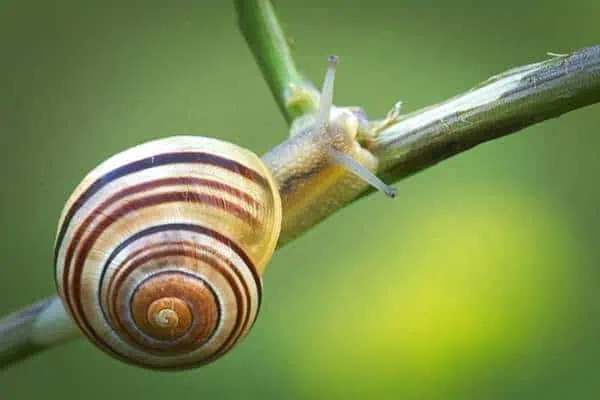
{"type": "Point", "coordinates": [295, 95]}
{"type": "Point", "coordinates": [499, 106]}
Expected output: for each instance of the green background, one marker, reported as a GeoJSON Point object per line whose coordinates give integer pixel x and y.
{"type": "Point", "coordinates": [479, 281]}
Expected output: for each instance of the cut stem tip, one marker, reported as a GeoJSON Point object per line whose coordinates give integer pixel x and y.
{"type": "Point", "coordinates": [333, 61]}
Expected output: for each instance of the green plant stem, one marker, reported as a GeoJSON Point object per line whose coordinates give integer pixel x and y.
{"type": "Point", "coordinates": [499, 106]}
{"type": "Point", "coordinates": [33, 329]}
{"type": "Point", "coordinates": [295, 95]}
{"type": "Point", "coordinates": [502, 105]}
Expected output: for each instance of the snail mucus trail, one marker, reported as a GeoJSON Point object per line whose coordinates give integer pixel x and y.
{"type": "Point", "coordinates": [160, 250]}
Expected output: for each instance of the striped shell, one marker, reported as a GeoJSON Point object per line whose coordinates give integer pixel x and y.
{"type": "Point", "coordinates": [160, 250]}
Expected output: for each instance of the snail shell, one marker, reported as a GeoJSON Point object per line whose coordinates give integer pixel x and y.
{"type": "Point", "coordinates": [160, 250]}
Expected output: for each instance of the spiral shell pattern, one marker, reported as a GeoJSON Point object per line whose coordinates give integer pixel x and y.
{"type": "Point", "coordinates": [160, 251]}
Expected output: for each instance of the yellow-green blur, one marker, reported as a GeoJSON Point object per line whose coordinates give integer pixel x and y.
{"type": "Point", "coordinates": [479, 281]}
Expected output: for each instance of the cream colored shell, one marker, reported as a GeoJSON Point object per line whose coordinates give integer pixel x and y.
{"type": "Point", "coordinates": [161, 248]}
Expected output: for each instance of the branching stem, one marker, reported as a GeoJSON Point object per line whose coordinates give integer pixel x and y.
{"type": "Point", "coordinates": [295, 95]}
{"type": "Point", "coordinates": [405, 145]}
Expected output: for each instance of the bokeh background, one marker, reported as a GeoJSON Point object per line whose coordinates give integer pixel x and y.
{"type": "Point", "coordinates": [479, 281]}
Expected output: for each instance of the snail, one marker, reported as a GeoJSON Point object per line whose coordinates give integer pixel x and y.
{"type": "Point", "coordinates": [161, 249]}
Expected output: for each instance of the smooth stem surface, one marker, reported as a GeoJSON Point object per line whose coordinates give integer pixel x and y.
{"type": "Point", "coordinates": [33, 329]}
{"type": "Point", "coordinates": [502, 105]}
{"type": "Point", "coordinates": [266, 39]}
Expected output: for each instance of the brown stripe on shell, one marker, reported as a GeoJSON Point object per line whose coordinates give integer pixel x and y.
{"type": "Point", "coordinates": [135, 189]}
{"type": "Point", "coordinates": [135, 205]}
{"type": "Point", "coordinates": [199, 296]}
{"type": "Point", "coordinates": [134, 254]}
{"type": "Point", "coordinates": [73, 294]}
{"type": "Point", "coordinates": [181, 181]}
{"type": "Point", "coordinates": [109, 290]}
{"type": "Point", "coordinates": [240, 299]}
{"type": "Point", "coordinates": [154, 161]}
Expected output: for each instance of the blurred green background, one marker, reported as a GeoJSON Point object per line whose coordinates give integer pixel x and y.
{"type": "Point", "coordinates": [479, 281]}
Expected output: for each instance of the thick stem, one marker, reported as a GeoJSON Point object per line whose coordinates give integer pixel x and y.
{"type": "Point", "coordinates": [503, 104]}
{"type": "Point", "coordinates": [499, 106]}
{"type": "Point", "coordinates": [295, 96]}
{"type": "Point", "coordinates": [33, 329]}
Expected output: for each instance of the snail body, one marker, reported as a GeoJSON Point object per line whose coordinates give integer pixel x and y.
{"type": "Point", "coordinates": [160, 250]}
{"type": "Point", "coordinates": [311, 183]}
